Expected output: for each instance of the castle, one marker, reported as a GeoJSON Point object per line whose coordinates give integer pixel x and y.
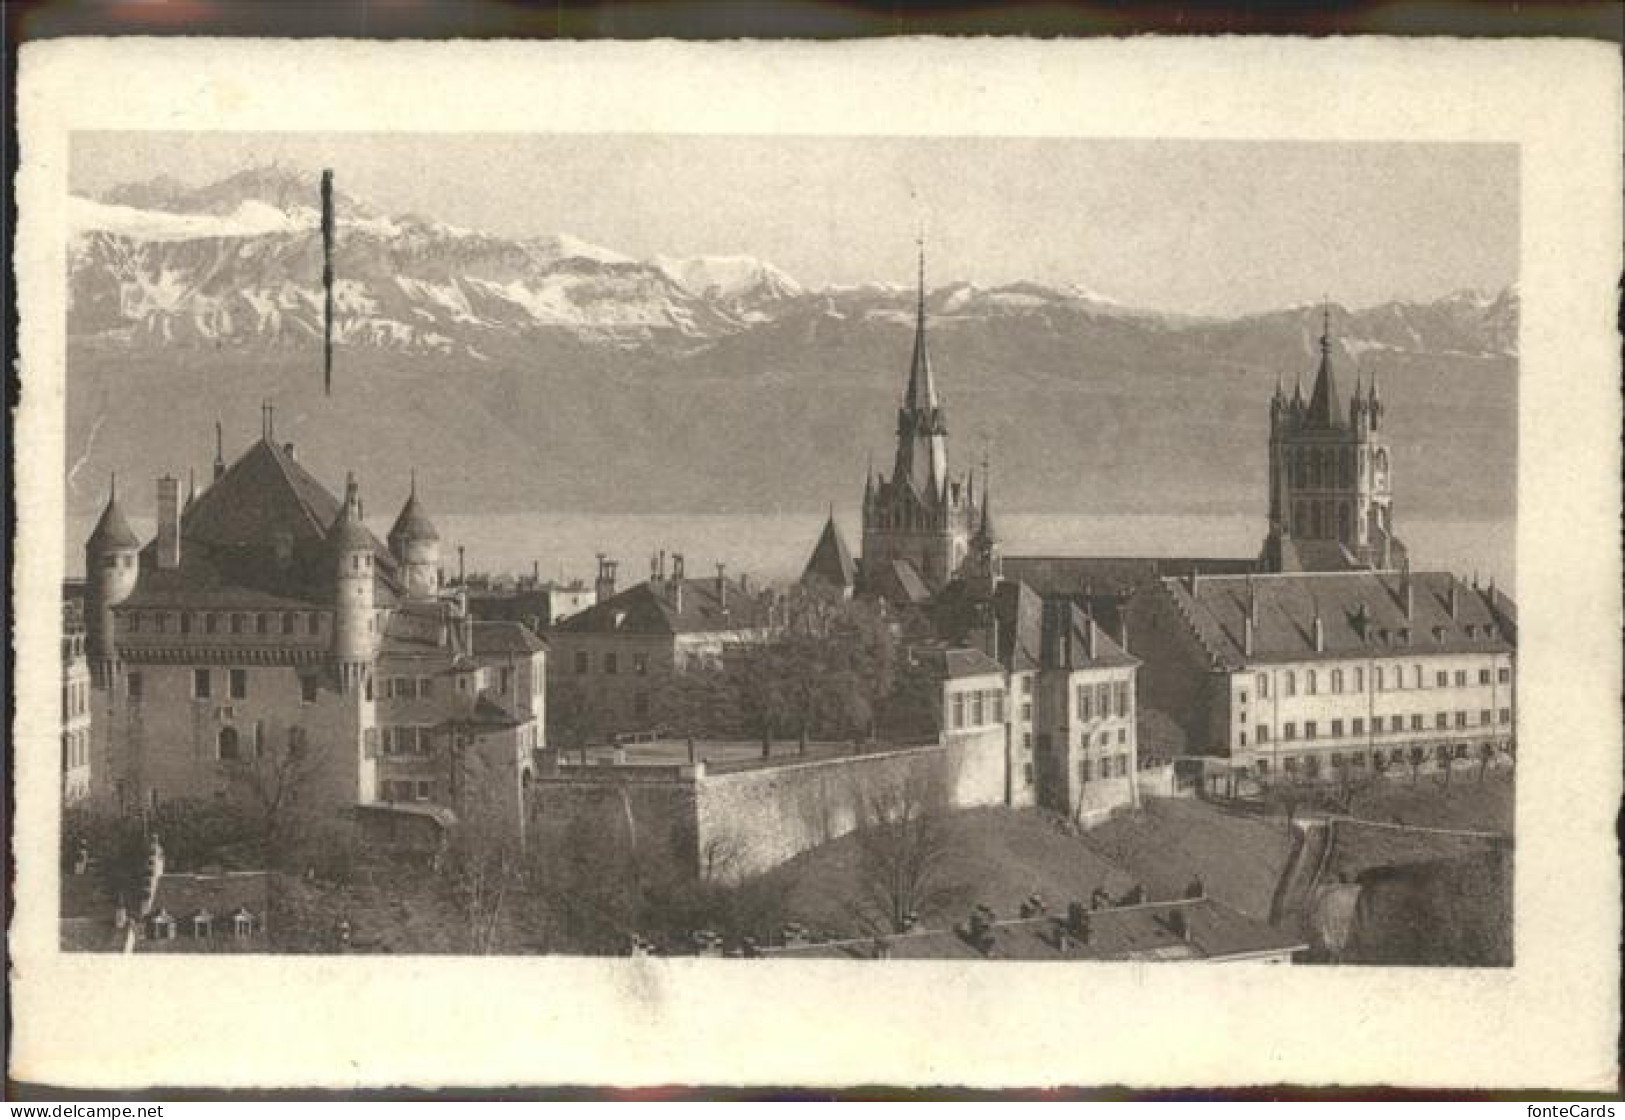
{"type": "Point", "coordinates": [266, 632]}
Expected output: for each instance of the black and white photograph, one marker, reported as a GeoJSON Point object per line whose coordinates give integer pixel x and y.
{"type": "Point", "coordinates": [758, 548]}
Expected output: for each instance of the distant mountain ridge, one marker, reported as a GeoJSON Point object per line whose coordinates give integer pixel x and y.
{"type": "Point", "coordinates": [718, 382]}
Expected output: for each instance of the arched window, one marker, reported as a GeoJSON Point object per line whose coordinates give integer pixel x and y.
{"type": "Point", "coordinates": [227, 744]}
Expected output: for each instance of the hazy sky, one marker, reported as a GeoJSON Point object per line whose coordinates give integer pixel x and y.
{"type": "Point", "coordinates": [1210, 227]}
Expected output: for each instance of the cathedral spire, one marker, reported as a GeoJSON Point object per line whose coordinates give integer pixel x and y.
{"type": "Point", "coordinates": [1325, 409]}
{"type": "Point", "coordinates": [922, 386]}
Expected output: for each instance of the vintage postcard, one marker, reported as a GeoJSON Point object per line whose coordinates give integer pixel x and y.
{"type": "Point", "coordinates": [925, 562]}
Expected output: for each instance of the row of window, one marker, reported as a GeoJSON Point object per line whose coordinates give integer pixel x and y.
{"type": "Point", "coordinates": [1096, 701]}
{"type": "Point", "coordinates": [1382, 680]}
{"type": "Point", "coordinates": [1104, 738]}
{"type": "Point", "coordinates": [285, 623]}
{"type": "Point", "coordinates": [976, 709]}
{"type": "Point", "coordinates": [1399, 756]}
{"type": "Point", "coordinates": [417, 790]}
{"type": "Point", "coordinates": [1442, 721]}
{"type": "Point", "coordinates": [203, 686]}
{"type": "Point", "coordinates": [406, 740]}
{"type": "Point", "coordinates": [162, 926]}
{"type": "Point", "coordinates": [1114, 767]}
{"type": "Point", "coordinates": [408, 688]}
{"type": "Point", "coordinates": [611, 664]}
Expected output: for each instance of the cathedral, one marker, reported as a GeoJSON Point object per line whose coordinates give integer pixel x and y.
{"type": "Point", "coordinates": [1330, 496]}
{"type": "Point", "coordinates": [918, 525]}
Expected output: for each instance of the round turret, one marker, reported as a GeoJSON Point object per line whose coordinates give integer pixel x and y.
{"type": "Point", "coordinates": [415, 543]}
{"type": "Point", "coordinates": [355, 639]}
{"type": "Point", "coordinates": [111, 566]}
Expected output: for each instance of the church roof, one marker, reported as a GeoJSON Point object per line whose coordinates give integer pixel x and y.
{"type": "Point", "coordinates": [113, 529]}
{"type": "Point", "coordinates": [831, 561]}
{"type": "Point", "coordinates": [1074, 640]}
{"type": "Point", "coordinates": [1362, 615]}
{"type": "Point", "coordinates": [1325, 406]}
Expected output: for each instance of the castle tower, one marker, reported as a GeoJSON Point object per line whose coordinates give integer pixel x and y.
{"type": "Point", "coordinates": [917, 524]}
{"type": "Point", "coordinates": [1330, 497]}
{"type": "Point", "coordinates": [415, 544]}
{"type": "Point", "coordinates": [111, 566]}
{"type": "Point", "coordinates": [355, 632]}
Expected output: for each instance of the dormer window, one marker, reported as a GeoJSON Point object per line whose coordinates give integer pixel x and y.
{"type": "Point", "coordinates": [242, 923]}
{"type": "Point", "coordinates": [202, 924]}
{"type": "Point", "coordinates": [161, 926]}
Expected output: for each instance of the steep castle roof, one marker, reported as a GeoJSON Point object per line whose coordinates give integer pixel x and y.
{"type": "Point", "coordinates": [112, 529]}
{"type": "Point", "coordinates": [831, 561]}
{"type": "Point", "coordinates": [413, 524]}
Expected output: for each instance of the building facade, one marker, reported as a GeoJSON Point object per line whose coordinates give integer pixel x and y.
{"type": "Point", "coordinates": [76, 728]}
{"type": "Point", "coordinates": [1309, 674]}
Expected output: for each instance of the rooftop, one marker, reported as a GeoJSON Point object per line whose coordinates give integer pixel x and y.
{"type": "Point", "coordinates": [656, 607]}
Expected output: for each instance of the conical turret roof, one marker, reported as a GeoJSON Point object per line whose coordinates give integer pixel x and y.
{"type": "Point", "coordinates": [348, 533]}
{"type": "Point", "coordinates": [413, 524]}
{"type": "Point", "coordinates": [1325, 407]}
{"type": "Point", "coordinates": [112, 529]}
{"type": "Point", "coordinates": [831, 560]}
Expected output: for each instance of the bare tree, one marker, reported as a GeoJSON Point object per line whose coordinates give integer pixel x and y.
{"type": "Point", "coordinates": [271, 783]}
{"type": "Point", "coordinates": [575, 718]}
{"type": "Point", "coordinates": [481, 862]}
{"type": "Point", "coordinates": [904, 846]}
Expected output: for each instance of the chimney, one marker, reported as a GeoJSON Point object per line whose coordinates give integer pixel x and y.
{"type": "Point", "coordinates": [1252, 600]}
{"type": "Point", "coordinates": [1405, 587]}
{"type": "Point", "coordinates": [291, 451]}
{"type": "Point", "coordinates": [660, 567]}
{"type": "Point", "coordinates": [462, 569]}
{"type": "Point", "coordinates": [1320, 633]}
{"type": "Point", "coordinates": [169, 523]}
{"type": "Point", "coordinates": [722, 586]}
{"type": "Point", "coordinates": [677, 567]}
{"type": "Point", "coordinates": [1089, 638]}
{"type": "Point", "coordinates": [674, 591]}
{"type": "Point", "coordinates": [744, 583]}
{"type": "Point", "coordinates": [219, 451]}
{"type": "Point", "coordinates": [1247, 635]}
{"type": "Point", "coordinates": [1452, 600]}
{"type": "Point", "coordinates": [604, 586]}
{"type": "Point", "coordinates": [1195, 580]}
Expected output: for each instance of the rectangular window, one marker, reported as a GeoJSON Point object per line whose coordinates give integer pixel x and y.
{"type": "Point", "coordinates": [1291, 683]}
{"type": "Point", "coordinates": [1483, 676]}
{"type": "Point", "coordinates": [1504, 675]}
{"type": "Point", "coordinates": [977, 712]}
{"type": "Point", "coordinates": [1123, 699]}
{"type": "Point", "coordinates": [1085, 703]}
{"type": "Point", "coordinates": [1311, 684]}
{"type": "Point", "coordinates": [1359, 680]}
{"type": "Point", "coordinates": [1027, 773]}
{"type": "Point", "coordinates": [1337, 760]}
{"type": "Point", "coordinates": [307, 689]}
{"type": "Point", "coordinates": [1026, 686]}
{"type": "Point", "coordinates": [386, 740]}
{"type": "Point", "coordinates": [1027, 740]}
{"type": "Point", "coordinates": [425, 790]}
{"type": "Point", "coordinates": [1241, 738]}
{"type": "Point", "coordinates": [1461, 720]}
{"type": "Point", "coordinates": [996, 700]}
{"type": "Point", "coordinates": [1416, 723]}
{"type": "Point", "coordinates": [958, 710]}
{"type": "Point", "coordinates": [1461, 678]}
{"type": "Point", "coordinates": [1376, 679]}
{"type": "Point", "coordinates": [1358, 728]}
{"type": "Point", "coordinates": [1337, 680]}
{"type": "Point", "coordinates": [1289, 731]}
{"type": "Point", "coordinates": [313, 624]}
{"type": "Point", "coordinates": [1398, 724]}
{"type": "Point", "coordinates": [1484, 718]}
{"type": "Point", "coordinates": [239, 684]}
{"type": "Point", "coordinates": [1441, 679]}
{"type": "Point", "coordinates": [1309, 729]}
{"type": "Point", "coordinates": [1441, 721]}
{"type": "Point", "coordinates": [583, 662]}
{"type": "Point", "coordinates": [1241, 697]}
{"type": "Point", "coordinates": [210, 624]}
{"type": "Point", "coordinates": [186, 622]}
{"type": "Point", "coordinates": [132, 687]}
{"type": "Point", "coordinates": [237, 624]}
{"type": "Point", "coordinates": [1026, 713]}
{"type": "Point", "coordinates": [133, 622]}
{"type": "Point", "coordinates": [1337, 729]}
{"type": "Point", "coordinates": [1085, 770]}
{"type": "Point", "coordinates": [507, 680]}
{"type": "Point", "coordinates": [425, 687]}
{"type": "Point", "coordinates": [201, 684]}
{"type": "Point", "coordinates": [640, 664]}
{"type": "Point", "coordinates": [262, 624]}
{"type": "Point", "coordinates": [612, 664]}
{"type": "Point", "coordinates": [1262, 733]}
{"type": "Point", "coordinates": [1506, 715]}
{"type": "Point", "coordinates": [1263, 686]}
{"type": "Point", "coordinates": [1103, 700]}
{"type": "Point", "coordinates": [1290, 763]}
{"type": "Point", "coordinates": [287, 622]}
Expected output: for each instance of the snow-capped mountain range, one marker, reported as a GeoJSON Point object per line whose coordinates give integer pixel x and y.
{"type": "Point", "coordinates": [602, 381]}
{"type": "Point", "coordinates": [238, 262]}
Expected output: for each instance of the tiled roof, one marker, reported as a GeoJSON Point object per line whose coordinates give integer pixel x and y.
{"type": "Point", "coordinates": [646, 609]}
{"type": "Point", "coordinates": [1100, 576]}
{"type": "Point", "coordinates": [897, 580]}
{"type": "Point", "coordinates": [831, 561]}
{"type": "Point", "coordinates": [1361, 613]}
{"type": "Point", "coordinates": [960, 616]}
{"type": "Point", "coordinates": [496, 639]}
{"type": "Point", "coordinates": [264, 493]}
{"type": "Point", "coordinates": [952, 663]}
{"type": "Point", "coordinates": [413, 523]}
{"type": "Point", "coordinates": [1074, 640]}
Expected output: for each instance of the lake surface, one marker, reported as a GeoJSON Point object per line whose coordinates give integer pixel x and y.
{"type": "Point", "coordinates": [773, 547]}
